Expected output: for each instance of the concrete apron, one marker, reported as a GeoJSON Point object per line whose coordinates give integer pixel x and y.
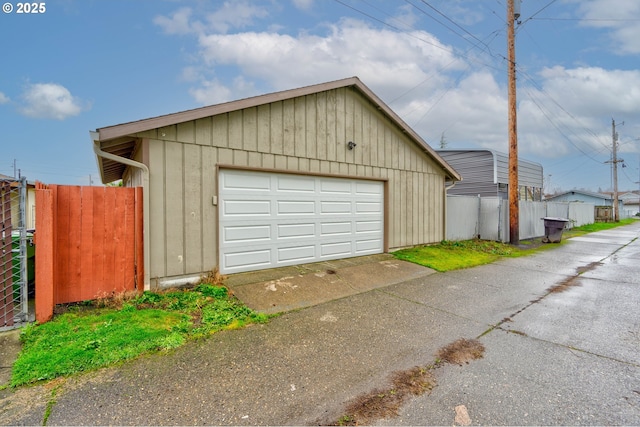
{"type": "Point", "coordinates": [290, 288]}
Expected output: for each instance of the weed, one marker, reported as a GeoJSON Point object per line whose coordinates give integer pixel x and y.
{"type": "Point", "coordinates": [384, 403]}
{"type": "Point", "coordinates": [564, 285]}
{"type": "Point", "coordinates": [213, 278]}
{"type": "Point", "coordinates": [51, 402]}
{"type": "Point", "coordinates": [345, 420]}
{"type": "Point", "coordinates": [461, 351]}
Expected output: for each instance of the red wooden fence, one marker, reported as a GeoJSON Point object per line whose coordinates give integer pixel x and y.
{"type": "Point", "coordinates": [88, 244]}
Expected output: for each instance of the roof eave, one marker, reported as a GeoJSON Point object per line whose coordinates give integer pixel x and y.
{"type": "Point", "coordinates": [132, 128]}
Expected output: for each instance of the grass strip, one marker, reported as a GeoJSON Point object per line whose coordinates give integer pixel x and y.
{"type": "Point", "coordinates": [453, 255]}
{"type": "Point", "coordinates": [107, 331]}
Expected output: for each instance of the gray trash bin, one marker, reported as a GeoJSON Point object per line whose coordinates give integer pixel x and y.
{"type": "Point", "coordinates": [553, 229]}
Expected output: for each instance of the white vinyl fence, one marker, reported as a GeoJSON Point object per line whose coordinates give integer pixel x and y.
{"type": "Point", "coordinates": [487, 218]}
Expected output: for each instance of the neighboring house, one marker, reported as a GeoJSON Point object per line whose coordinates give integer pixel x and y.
{"type": "Point", "coordinates": [30, 208]}
{"type": "Point", "coordinates": [486, 173]}
{"type": "Point", "coordinates": [304, 175]}
{"type": "Point", "coordinates": [598, 199]}
{"type": "Point", "coordinates": [631, 200]}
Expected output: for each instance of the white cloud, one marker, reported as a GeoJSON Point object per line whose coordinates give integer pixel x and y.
{"type": "Point", "coordinates": [50, 101]}
{"type": "Point", "coordinates": [618, 16]}
{"type": "Point", "coordinates": [3, 98]}
{"type": "Point", "coordinates": [382, 58]}
{"type": "Point", "coordinates": [587, 89]}
{"type": "Point", "coordinates": [177, 23]}
{"type": "Point", "coordinates": [232, 15]}
{"type": "Point", "coordinates": [425, 81]}
{"type": "Point", "coordinates": [303, 4]}
{"type": "Point", "coordinates": [213, 92]}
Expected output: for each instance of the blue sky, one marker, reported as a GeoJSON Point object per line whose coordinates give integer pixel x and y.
{"type": "Point", "coordinates": [440, 64]}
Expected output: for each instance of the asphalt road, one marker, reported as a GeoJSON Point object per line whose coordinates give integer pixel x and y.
{"type": "Point", "coordinates": [568, 357]}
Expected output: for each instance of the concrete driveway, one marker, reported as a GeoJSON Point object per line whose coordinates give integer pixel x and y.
{"type": "Point", "coordinates": [561, 331]}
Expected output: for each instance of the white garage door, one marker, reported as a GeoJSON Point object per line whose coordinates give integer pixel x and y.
{"type": "Point", "coordinates": [271, 220]}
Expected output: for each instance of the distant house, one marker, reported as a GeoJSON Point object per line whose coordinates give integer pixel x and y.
{"type": "Point", "coordinates": [486, 173]}
{"type": "Point", "coordinates": [598, 199]}
{"type": "Point", "coordinates": [631, 200]}
{"type": "Point", "coordinates": [30, 208]}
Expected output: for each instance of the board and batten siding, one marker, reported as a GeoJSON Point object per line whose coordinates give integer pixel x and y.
{"type": "Point", "coordinates": [307, 134]}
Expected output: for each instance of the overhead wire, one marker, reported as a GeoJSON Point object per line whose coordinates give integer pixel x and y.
{"type": "Point", "coordinates": [557, 104]}
{"type": "Point", "coordinates": [522, 23]}
{"type": "Point", "coordinates": [485, 47]}
{"type": "Point", "coordinates": [546, 115]}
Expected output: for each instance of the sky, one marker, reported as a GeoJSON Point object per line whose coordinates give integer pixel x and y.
{"type": "Point", "coordinates": [79, 65]}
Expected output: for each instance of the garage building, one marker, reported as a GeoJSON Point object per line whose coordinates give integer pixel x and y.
{"type": "Point", "coordinates": [305, 175]}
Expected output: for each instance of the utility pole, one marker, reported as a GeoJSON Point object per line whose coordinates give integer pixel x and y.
{"type": "Point", "coordinates": [513, 13]}
{"type": "Point", "coordinates": [614, 162]}
{"type": "Point", "coordinates": [638, 187]}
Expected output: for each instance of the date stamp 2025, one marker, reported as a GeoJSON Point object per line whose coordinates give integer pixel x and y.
{"type": "Point", "coordinates": [25, 8]}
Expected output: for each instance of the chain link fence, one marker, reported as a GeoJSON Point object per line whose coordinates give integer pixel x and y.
{"type": "Point", "coordinates": [17, 254]}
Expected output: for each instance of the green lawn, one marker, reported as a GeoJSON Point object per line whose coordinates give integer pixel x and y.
{"type": "Point", "coordinates": [104, 332]}
{"type": "Point", "coordinates": [450, 255]}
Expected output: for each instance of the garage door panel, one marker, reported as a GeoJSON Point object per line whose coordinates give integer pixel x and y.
{"type": "Point", "coordinates": [289, 231]}
{"type": "Point", "coordinates": [368, 188]}
{"type": "Point", "coordinates": [335, 248]}
{"type": "Point", "coordinates": [246, 260]}
{"type": "Point", "coordinates": [246, 207]}
{"type": "Point", "coordinates": [334, 186]}
{"type": "Point", "coordinates": [333, 228]}
{"type": "Point", "coordinates": [368, 226]}
{"type": "Point", "coordinates": [295, 183]}
{"type": "Point", "coordinates": [245, 180]}
{"type": "Point", "coordinates": [298, 254]}
{"type": "Point", "coordinates": [331, 208]}
{"type": "Point", "coordinates": [247, 233]}
{"type": "Point", "coordinates": [368, 207]}
{"type": "Point", "coordinates": [299, 219]}
{"type": "Point", "coordinates": [292, 207]}
{"type": "Point", "coordinates": [368, 246]}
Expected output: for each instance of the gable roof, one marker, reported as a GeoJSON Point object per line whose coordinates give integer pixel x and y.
{"type": "Point", "coordinates": [584, 193]}
{"type": "Point", "coordinates": [119, 139]}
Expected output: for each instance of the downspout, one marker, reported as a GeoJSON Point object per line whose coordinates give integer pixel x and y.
{"type": "Point", "coordinates": [446, 205]}
{"type": "Point", "coordinates": [95, 137]}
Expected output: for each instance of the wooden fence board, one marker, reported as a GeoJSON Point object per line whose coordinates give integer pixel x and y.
{"type": "Point", "coordinates": [94, 244]}
{"type": "Point", "coordinates": [75, 239]}
{"type": "Point", "coordinates": [45, 264]}
{"type": "Point", "coordinates": [87, 273]}
{"type": "Point", "coordinates": [97, 238]}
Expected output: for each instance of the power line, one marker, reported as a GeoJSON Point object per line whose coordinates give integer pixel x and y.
{"type": "Point", "coordinates": [587, 19]}
{"type": "Point", "coordinates": [544, 113]}
{"type": "Point", "coordinates": [532, 16]}
{"type": "Point", "coordinates": [542, 90]}
{"type": "Point", "coordinates": [391, 26]}
{"type": "Point", "coordinates": [464, 54]}
{"type": "Point", "coordinates": [453, 22]}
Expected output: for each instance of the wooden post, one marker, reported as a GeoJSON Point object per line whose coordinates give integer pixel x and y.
{"type": "Point", "coordinates": [44, 254]}
{"type": "Point", "coordinates": [514, 212]}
